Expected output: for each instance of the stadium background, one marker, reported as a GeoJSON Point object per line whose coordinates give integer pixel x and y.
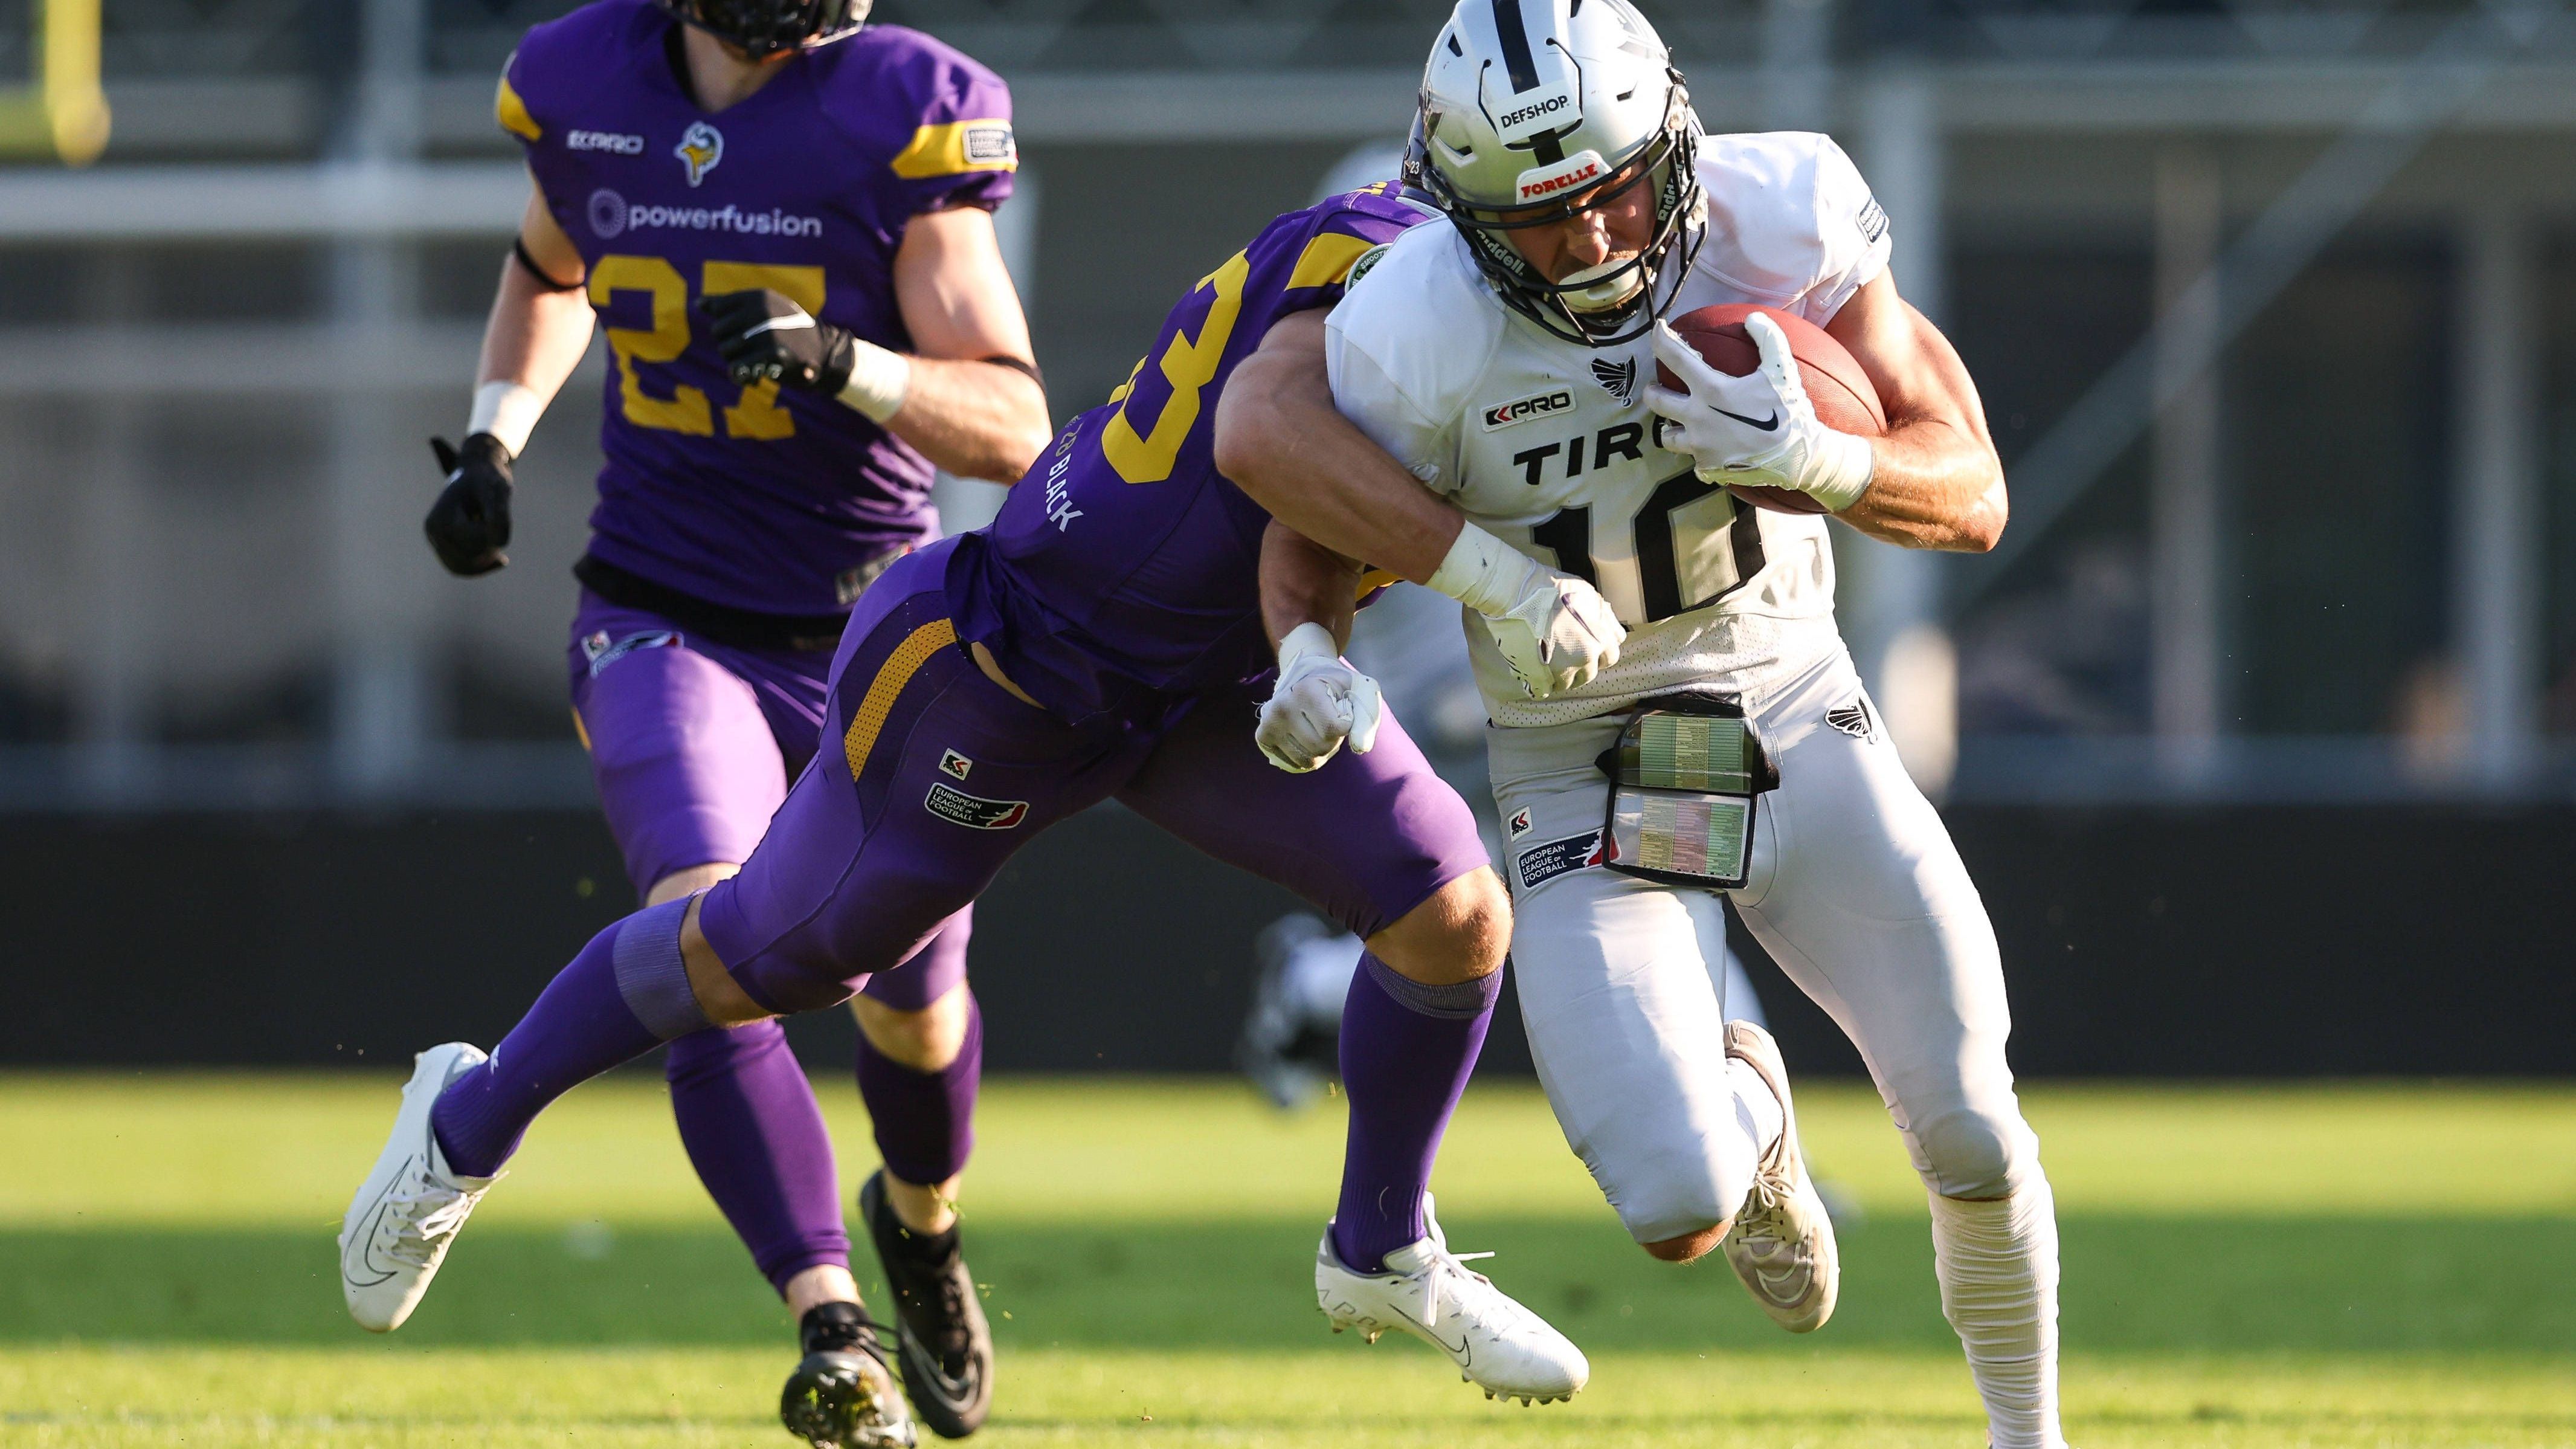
{"type": "Point", "coordinates": [2256, 733]}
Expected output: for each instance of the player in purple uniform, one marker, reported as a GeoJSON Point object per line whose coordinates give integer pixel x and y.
{"type": "Point", "coordinates": [760, 156]}
{"type": "Point", "coordinates": [1103, 639]}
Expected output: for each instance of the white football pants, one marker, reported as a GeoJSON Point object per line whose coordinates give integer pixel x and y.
{"type": "Point", "coordinates": [1855, 890]}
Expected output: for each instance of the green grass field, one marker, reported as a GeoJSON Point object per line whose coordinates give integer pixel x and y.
{"type": "Point", "coordinates": [2367, 1266]}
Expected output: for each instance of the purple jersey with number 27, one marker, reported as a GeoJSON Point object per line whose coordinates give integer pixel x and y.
{"type": "Point", "coordinates": [746, 496]}
{"type": "Point", "coordinates": [1123, 570]}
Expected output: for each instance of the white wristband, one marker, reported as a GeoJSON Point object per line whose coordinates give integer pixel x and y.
{"type": "Point", "coordinates": [878, 380]}
{"type": "Point", "coordinates": [508, 411]}
{"type": "Point", "coordinates": [1484, 573]}
{"type": "Point", "coordinates": [1306, 641]}
{"type": "Point", "coordinates": [1841, 471]}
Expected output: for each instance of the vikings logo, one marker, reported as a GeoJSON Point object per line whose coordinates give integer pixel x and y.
{"type": "Point", "coordinates": [700, 148]}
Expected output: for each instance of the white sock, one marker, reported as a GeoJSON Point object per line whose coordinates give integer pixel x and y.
{"type": "Point", "coordinates": [1757, 1111]}
{"type": "Point", "coordinates": [1998, 1267]}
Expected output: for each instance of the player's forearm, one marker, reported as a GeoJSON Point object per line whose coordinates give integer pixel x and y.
{"type": "Point", "coordinates": [1283, 443]}
{"type": "Point", "coordinates": [533, 340]}
{"type": "Point", "coordinates": [1934, 486]}
{"type": "Point", "coordinates": [1303, 582]}
{"type": "Point", "coordinates": [973, 419]}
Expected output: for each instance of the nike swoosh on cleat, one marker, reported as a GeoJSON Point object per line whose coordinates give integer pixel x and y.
{"type": "Point", "coordinates": [1782, 1288]}
{"type": "Point", "coordinates": [1434, 1334]}
{"type": "Point", "coordinates": [1768, 424]}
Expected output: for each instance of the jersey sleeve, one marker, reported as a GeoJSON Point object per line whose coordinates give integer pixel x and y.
{"type": "Point", "coordinates": [1346, 242]}
{"type": "Point", "coordinates": [962, 151]}
{"type": "Point", "coordinates": [1404, 351]}
{"type": "Point", "coordinates": [1852, 239]}
{"type": "Point", "coordinates": [510, 102]}
{"type": "Point", "coordinates": [1380, 408]}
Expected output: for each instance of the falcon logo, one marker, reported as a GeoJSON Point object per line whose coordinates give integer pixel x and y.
{"type": "Point", "coordinates": [1619, 379]}
{"type": "Point", "coordinates": [701, 148]}
{"type": "Point", "coordinates": [954, 765]}
{"type": "Point", "coordinates": [1853, 719]}
{"type": "Point", "coordinates": [1520, 822]}
{"type": "Point", "coordinates": [973, 811]}
{"type": "Point", "coordinates": [1522, 409]}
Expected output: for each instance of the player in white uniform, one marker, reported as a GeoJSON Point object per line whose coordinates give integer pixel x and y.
{"type": "Point", "coordinates": [1508, 362]}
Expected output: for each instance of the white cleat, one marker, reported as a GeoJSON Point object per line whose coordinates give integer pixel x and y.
{"type": "Point", "coordinates": [1782, 1244]}
{"type": "Point", "coordinates": [1425, 1290]}
{"type": "Point", "coordinates": [410, 1207]}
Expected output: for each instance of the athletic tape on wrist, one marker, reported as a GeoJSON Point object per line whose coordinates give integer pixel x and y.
{"type": "Point", "coordinates": [1459, 1001]}
{"type": "Point", "coordinates": [1307, 640]}
{"type": "Point", "coordinates": [508, 411]}
{"type": "Point", "coordinates": [1483, 573]}
{"type": "Point", "coordinates": [651, 975]}
{"type": "Point", "coordinates": [1847, 467]}
{"type": "Point", "coordinates": [879, 380]}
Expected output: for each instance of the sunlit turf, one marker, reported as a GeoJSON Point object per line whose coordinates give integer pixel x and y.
{"type": "Point", "coordinates": [2366, 1266]}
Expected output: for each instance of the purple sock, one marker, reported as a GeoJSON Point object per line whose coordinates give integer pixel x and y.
{"type": "Point", "coordinates": [925, 1121]}
{"type": "Point", "coordinates": [1407, 1050]}
{"type": "Point", "coordinates": [623, 995]}
{"type": "Point", "coordinates": [747, 1116]}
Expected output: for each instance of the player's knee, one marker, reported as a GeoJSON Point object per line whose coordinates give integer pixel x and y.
{"type": "Point", "coordinates": [1975, 1154]}
{"type": "Point", "coordinates": [924, 1041]}
{"type": "Point", "coordinates": [1461, 933]}
{"type": "Point", "coordinates": [1688, 1247]}
{"type": "Point", "coordinates": [688, 881]}
{"type": "Point", "coordinates": [719, 1051]}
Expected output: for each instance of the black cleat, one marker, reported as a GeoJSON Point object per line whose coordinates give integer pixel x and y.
{"type": "Point", "coordinates": [946, 1343]}
{"type": "Point", "coordinates": [842, 1395]}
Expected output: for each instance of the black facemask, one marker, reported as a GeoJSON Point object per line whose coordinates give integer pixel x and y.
{"type": "Point", "coordinates": [766, 27]}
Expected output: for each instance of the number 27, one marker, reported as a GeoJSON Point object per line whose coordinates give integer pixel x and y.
{"type": "Point", "coordinates": [756, 414]}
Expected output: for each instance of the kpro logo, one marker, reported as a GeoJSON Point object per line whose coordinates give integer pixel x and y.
{"type": "Point", "coordinates": [1521, 410]}
{"type": "Point", "coordinates": [616, 142]}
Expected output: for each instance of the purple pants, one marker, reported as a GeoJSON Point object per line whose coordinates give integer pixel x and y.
{"type": "Point", "coordinates": [931, 776]}
{"type": "Point", "coordinates": [693, 744]}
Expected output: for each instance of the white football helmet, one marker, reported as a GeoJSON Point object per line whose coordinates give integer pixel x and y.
{"type": "Point", "coordinates": [1533, 111]}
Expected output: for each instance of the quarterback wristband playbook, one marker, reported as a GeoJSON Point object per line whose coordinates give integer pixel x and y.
{"type": "Point", "coordinates": [1686, 776]}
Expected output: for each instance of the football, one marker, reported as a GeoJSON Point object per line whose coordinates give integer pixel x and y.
{"type": "Point", "coordinates": [1844, 398]}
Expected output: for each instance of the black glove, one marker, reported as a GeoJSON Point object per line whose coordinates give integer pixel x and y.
{"type": "Point", "coordinates": [765, 337]}
{"type": "Point", "coordinates": [469, 525]}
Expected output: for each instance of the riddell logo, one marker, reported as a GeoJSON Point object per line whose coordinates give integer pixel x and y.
{"type": "Point", "coordinates": [1521, 410]}
{"type": "Point", "coordinates": [1547, 107]}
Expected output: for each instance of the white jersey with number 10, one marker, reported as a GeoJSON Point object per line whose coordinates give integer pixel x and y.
{"type": "Point", "coordinates": [1549, 445]}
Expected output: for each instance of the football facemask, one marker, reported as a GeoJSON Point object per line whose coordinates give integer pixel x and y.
{"type": "Point", "coordinates": [1620, 300]}
{"type": "Point", "coordinates": [767, 27]}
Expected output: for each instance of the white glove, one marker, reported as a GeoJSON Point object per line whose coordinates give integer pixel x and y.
{"type": "Point", "coordinates": [1758, 428]}
{"type": "Point", "coordinates": [1555, 630]}
{"type": "Point", "coordinates": [1319, 702]}
{"type": "Point", "coordinates": [1559, 636]}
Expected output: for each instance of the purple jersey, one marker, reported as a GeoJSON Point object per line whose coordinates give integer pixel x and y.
{"type": "Point", "coordinates": [748, 497]}
{"type": "Point", "coordinates": [1124, 568]}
